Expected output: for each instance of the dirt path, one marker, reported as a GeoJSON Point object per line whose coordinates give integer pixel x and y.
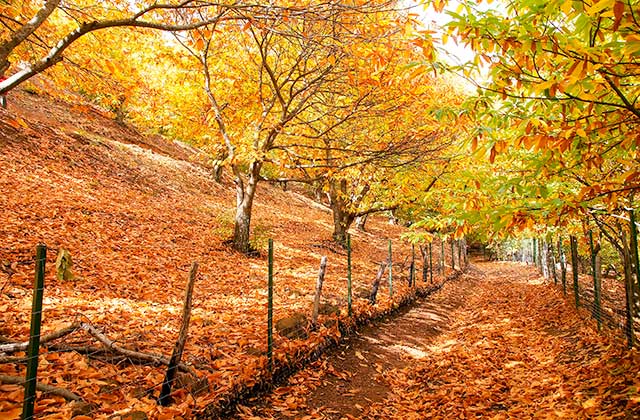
{"type": "Point", "coordinates": [497, 343]}
{"type": "Point", "coordinates": [346, 381]}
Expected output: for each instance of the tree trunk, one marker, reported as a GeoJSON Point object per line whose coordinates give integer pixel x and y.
{"type": "Point", "coordinates": [361, 221]}
{"type": "Point", "coordinates": [341, 223]}
{"type": "Point", "coordinates": [244, 205]}
{"type": "Point", "coordinates": [342, 218]}
{"type": "Point", "coordinates": [393, 220]}
{"type": "Point", "coordinates": [318, 193]}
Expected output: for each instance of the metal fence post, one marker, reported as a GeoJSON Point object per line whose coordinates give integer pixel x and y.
{"type": "Point", "coordinates": [349, 274]}
{"type": "Point", "coordinates": [574, 268]}
{"type": "Point", "coordinates": [430, 263]}
{"type": "Point", "coordinates": [34, 336]}
{"type": "Point", "coordinates": [596, 283]}
{"type": "Point", "coordinates": [390, 271]}
{"type": "Point", "coordinates": [453, 257]}
{"type": "Point", "coordinates": [270, 309]}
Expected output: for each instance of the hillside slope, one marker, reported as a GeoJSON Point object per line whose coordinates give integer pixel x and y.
{"type": "Point", "coordinates": [135, 211]}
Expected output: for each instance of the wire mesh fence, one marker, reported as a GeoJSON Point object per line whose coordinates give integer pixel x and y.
{"type": "Point", "coordinates": [592, 277]}
{"type": "Point", "coordinates": [94, 366]}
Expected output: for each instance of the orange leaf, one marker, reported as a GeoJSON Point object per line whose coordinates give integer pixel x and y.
{"type": "Point", "coordinates": [17, 123]}
{"type": "Point", "coordinates": [618, 11]}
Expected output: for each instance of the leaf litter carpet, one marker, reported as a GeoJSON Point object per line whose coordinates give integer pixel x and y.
{"type": "Point", "coordinates": [135, 211]}
{"type": "Point", "coordinates": [498, 343]}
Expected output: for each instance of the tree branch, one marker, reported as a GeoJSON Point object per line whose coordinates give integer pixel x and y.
{"type": "Point", "coordinates": [50, 389]}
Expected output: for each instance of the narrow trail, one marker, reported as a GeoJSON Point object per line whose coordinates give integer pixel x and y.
{"type": "Point", "coordinates": [495, 343]}
{"type": "Point", "coordinates": [347, 380]}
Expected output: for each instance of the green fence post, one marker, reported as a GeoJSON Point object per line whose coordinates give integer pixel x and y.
{"type": "Point", "coordinates": [390, 271]}
{"type": "Point", "coordinates": [634, 248]}
{"type": "Point", "coordinates": [430, 263]}
{"type": "Point", "coordinates": [441, 258]}
{"type": "Point", "coordinates": [34, 335]}
{"type": "Point", "coordinates": [412, 278]}
{"type": "Point", "coordinates": [574, 268]}
{"type": "Point", "coordinates": [596, 284]}
{"type": "Point", "coordinates": [270, 309]}
{"type": "Point", "coordinates": [349, 274]}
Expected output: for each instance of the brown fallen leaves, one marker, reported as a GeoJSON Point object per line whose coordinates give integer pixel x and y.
{"type": "Point", "coordinates": [510, 348]}
{"type": "Point", "coordinates": [517, 350]}
{"type": "Point", "coordinates": [135, 212]}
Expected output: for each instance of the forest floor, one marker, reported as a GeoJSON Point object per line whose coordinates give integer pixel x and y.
{"type": "Point", "coordinates": [134, 211]}
{"type": "Point", "coordinates": [497, 343]}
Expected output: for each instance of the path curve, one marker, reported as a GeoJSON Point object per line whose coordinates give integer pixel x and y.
{"type": "Point", "coordinates": [345, 381]}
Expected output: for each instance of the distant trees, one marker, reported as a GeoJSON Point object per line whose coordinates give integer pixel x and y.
{"type": "Point", "coordinates": [557, 113]}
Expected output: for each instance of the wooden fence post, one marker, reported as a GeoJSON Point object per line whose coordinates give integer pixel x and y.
{"type": "Point", "coordinates": [633, 242]}
{"type": "Point", "coordinates": [412, 266]}
{"type": "Point", "coordinates": [165, 393]}
{"type": "Point", "coordinates": [316, 300]}
{"type": "Point", "coordinates": [441, 258]}
{"type": "Point", "coordinates": [376, 283]}
{"type": "Point", "coordinates": [453, 257]}
{"type": "Point", "coordinates": [425, 263]}
{"type": "Point", "coordinates": [430, 262]}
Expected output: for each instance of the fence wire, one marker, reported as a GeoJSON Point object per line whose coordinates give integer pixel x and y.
{"type": "Point", "coordinates": [611, 308]}
{"type": "Point", "coordinates": [93, 364]}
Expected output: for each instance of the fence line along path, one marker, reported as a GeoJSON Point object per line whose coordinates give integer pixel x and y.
{"type": "Point", "coordinates": [496, 343]}
{"type": "Point", "coordinates": [351, 377]}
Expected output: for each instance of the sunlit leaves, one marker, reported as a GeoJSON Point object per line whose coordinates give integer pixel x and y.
{"type": "Point", "coordinates": [556, 105]}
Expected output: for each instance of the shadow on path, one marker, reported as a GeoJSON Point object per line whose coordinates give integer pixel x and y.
{"type": "Point", "coordinates": [348, 379]}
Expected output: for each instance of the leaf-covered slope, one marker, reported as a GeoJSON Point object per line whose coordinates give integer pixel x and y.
{"type": "Point", "coordinates": [134, 212]}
